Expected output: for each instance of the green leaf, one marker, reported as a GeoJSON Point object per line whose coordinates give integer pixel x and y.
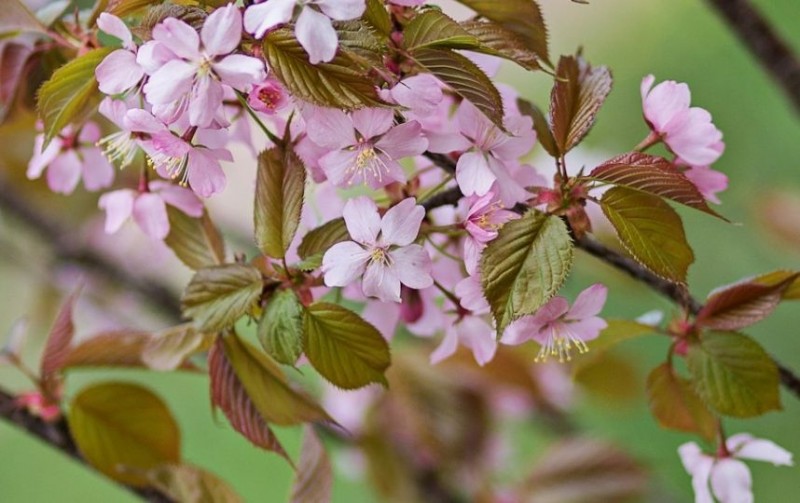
{"type": "Point", "coordinates": [377, 16]}
{"type": "Point", "coordinates": [119, 8]}
{"type": "Point", "coordinates": [121, 428]}
{"type": "Point", "coordinates": [650, 230]}
{"type": "Point", "coordinates": [16, 18]}
{"type": "Point", "coordinates": [495, 40]}
{"type": "Point", "coordinates": [792, 291]}
{"type": "Point", "coordinates": [266, 385]}
{"type": "Point", "coordinates": [522, 17]}
{"type": "Point", "coordinates": [280, 186]}
{"type": "Point", "coordinates": [543, 133]}
{"type": "Point", "coordinates": [195, 241]}
{"type": "Point", "coordinates": [733, 374]}
{"type": "Point", "coordinates": [281, 327]}
{"type": "Point", "coordinates": [71, 95]}
{"type": "Point", "coordinates": [359, 42]}
{"type": "Point", "coordinates": [218, 296]}
{"type": "Point", "coordinates": [333, 84]}
{"type": "Point", "coordinates": [616, 332]}
{"type": "Point", "coordinates": [169, 349]}
{"type": "Point", "coordinates": [465, 78]}
{"type": "Point", "coordinates": [675, 404]}
{"type": "Point", "coordinates": [317, 241]}
{"type": "Point", "coordinates": [525, 266]}
{"type": "Point", "coordinates": [314, 480]}
{"type": "Point", "coordinates": [654, 175]}
{"type": "Point", "coordinates": [577, 96]}
{"type": "Point", "coordinates": [433, 28]}
{"type": "Point", "coordinates": [191, 484]}
{"type": "Point", "coordinates": [345, 349]}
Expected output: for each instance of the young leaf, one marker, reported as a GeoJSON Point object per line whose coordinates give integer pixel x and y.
{"type": "Point", "coordinates": [218, 296]}
{"type": "Point", "coordinates": [495, 40]}
{"type": "Point", "coordinates": [228, 393]}
{"type": "Point", "coordinates": [733, 374]}
{"type": "Point", "coordinates": [465, 78]}
{"type": "Point", "coordinates": [650, 230]}
{"type": "Point", "coordinates": [433, 28]}
{"type": "Point", "coordinates": [121, 348]}
{"type": "Point", "coordinates": [280, 186]}
{"type": "Point", "coordinates": [345, 349]}
{"type": "Point", "coordinates": [191, 484]}
{"type": "Point", "coordinates": [71, 95]}
{"type": "Point", "coordinates": [15, 18]}
{"type": "Point", "coordinates": [543, 133]}
{"type": "Point", "coordinates": [195, 241]}
{"type": "Point", "coordinates": [332, 84]}
{"type": "Point", "coordinates": [675, 404]}
{"type": "Point", "coordinates": [317, 241]}
{"type": "Point", "coordinates": [378, 17]}
{"type": "Point", "coordinates": [56, 348]}
{"type": "Point", "coordinates": [314, 479]}
{"type": "Point", "coordinates": [653, 175]}
{"type": "Point", "coordinates": [577, 96]}
{"type": "Point", "coordinates": [120, 425]}
{"type": "Point", "coordinates": [525, 266]}
{"type": "Point", "coordinates": [168, 350]}
{"type": "Point", "coordinates": [792, 291]}
{"type": "Point", "coordinates": [281, 327]}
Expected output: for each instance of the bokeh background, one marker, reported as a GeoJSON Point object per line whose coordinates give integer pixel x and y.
{"type": "Point", "coordinates": [675, 39]}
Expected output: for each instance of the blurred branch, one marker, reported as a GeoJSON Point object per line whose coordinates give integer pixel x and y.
{"type": "Point", "coordinates": [763, 41]}
{"type": "Point", "coordinates": [56, 435]}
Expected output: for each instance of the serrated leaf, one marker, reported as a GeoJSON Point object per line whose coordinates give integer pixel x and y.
{"type": "Point", "coordinates": [71, 95]}
{"type": "Point", "coordinates": [465, 78]}
{"type": "Point", "coordinates": [495, 40]}
{"type": "Point", "coordinates": [191, 484]}
{"type": "Point", "coordinates": [317, 241]}
{"type": "Point", "coordinates": [314, 480]}
{"type": "Point", "coordinates": [650, 230]}
{"type": "Point", "coordinates": [333, 84]}
{"type": "Point", "coordinates": [15, 18]}
{"type": "Point", "coordinates": [195, 241]}
{"type": "Point", "coordinates": [377, 16]}
{"type": "Point", "coordinates": [579, 92]}
{"type": "Point", "coordinates": [121, 348]}
{"type": "Point", "coordinates": [169, 349]}
{"type": "Point", "coordinates": [653, 175]}
{"type": "Point", "coordinates": [742, 304]}
{"type": "Point", "coordinates": [57, 348]}
{"type": "Point", "coordinates": [218, 296]}
{"type": "Point", "coordinates": [345, 349]}
{"type": "Point", "coordinates": [733, 374]}
{"type": "Point", "coordinates": [433, 28]}
{"type": "Point", "coordinates": [281, 327]}
{"type": "Point", "coordinates": [522, 17]}
{"type": "Point", "coordinates": [120, 425]}
{"type": "Point", "coordinates": [191, 15]}
{"type": "Point", "coordinates": [229, 394]}
{"type": "Point", "coordinates": [525, 266]}
{"type": "Point", "coordinates": [268, 388]}
{"type": "Point", "coordinates": [359, 41]}
{"type": "Point", "coordinates": [280, 187]}
{"type": "Point", "coordinates": [675, 404]}
{"type": "Point", "coordinates": [540, 124]}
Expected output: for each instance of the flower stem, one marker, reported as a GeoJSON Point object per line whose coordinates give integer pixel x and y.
{"type": "Point", "coordinates": [274, 139]}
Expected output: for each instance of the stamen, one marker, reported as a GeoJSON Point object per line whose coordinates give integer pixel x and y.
{"type": "Point", "coordinates": [368, 161]}
{"type": "Point", "coordinates": [560, 343]}
{"type": "Point", "coordinates": [119, 148]}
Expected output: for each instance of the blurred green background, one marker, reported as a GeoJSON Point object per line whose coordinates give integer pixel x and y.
{"type": "Point", "coordinates": [675, 39]}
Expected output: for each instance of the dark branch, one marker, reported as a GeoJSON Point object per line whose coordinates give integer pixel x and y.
{"type": "Point", "coordinates": [768, 47]}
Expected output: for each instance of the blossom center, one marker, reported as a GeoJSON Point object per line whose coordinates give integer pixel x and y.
{"type": "Point", "coordinates": [379, 255]}
{"type": "Point", "coordinates": [270, 97]}
{"type": "Point", "coordinates": [368, 162]}
{"type": "Point", "coordinates": [560, 343]}
{"type": "Point", "coordinates": [175, 167]}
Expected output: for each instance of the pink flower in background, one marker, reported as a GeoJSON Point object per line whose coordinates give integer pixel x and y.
{"type": "Point", "coordinates": [119, 71]}
{"type": "Point", "coordinates": [313, 27]}
{"type": "Point", "coordinates": [559, 328]}
{"type": "Point", "coordinates": [268, 97]}
{"type": "Point", "coordinates": [71, 157]}
{"type": "Point", "coordinates": [484, 218]}
{"type": "Point", "coordinates": [687, 131]}
{"type": "Point", "coordinates": [198, 71]}
{"type": "Point", "coordinates": [148, 209]}
{"type": "Point", "coordinates": [729, 478]}
{"type": "Point", "coordinates": [381, 251]}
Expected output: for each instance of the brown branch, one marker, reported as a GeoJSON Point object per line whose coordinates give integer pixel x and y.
{"type": "Point", "coordinates": [763, 41]}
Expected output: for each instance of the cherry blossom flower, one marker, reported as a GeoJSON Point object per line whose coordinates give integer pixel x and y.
{"type": "Point", "coordinates": [421, 94]}
{"type": "Point", "coordinates": [268, 97]}
{"type": "Point", "coordinates": [119, 71]}
{"type": "Point", "coordinates": [708, 181]}
{"type": "Point", "coordinates": [559, 328]}
{"type": "Point", "coordinates": [687, 131]}
{"type": "Point", "coordinates": [70, 157]}
{"type": "Point", "coordinates": [313, 27]}
{"type": "Point", "coordinates": [202, 66]}
{"type": "Point", "coordinates": [119, 147]}
{"type": "Point", "coordinates": [729, 478]}
{"type": "Point", "coordinates": [148, 209]}
{"type": "Point", "coordinates": [484, 217]}
{"type": "Point", "coordinates": [381, 251]}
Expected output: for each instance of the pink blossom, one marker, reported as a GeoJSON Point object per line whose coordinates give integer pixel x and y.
{"type": "Point", "coordinates": [202, 65]}
{"type": "Point", "coordinates": [421, 94]}
{"type": "Point", "coordinates": [729, 478]}
{"type": "Point", "coordinates": [313, 27]}
{"type": "Point", "coordinates": [366, 146]}
{"type": "Point", "coordinates": [39, 406]}
{"type": "Point", "coordinates": [69, 157]}
{"type": "Point", "coordinates": [558, 328]}
{"type": "Point", "coordinates": [149, 208]}
{"type": "Point", "coordinates": [483, 219]}
{"type": "Point", "coordinates": [120, 147]}
{"type": "Point", "coordinates": [708, 181]}
{"type": "Point", "coordinates": [268, 97]}
{"type": "Point", "coordinates": [119, 71]}
{"type": "Point", "coordinates": [687, 131]}
{"type": "Point", "coordinates": [381, 251]}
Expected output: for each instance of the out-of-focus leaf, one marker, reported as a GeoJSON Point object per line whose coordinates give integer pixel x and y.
{"type": "Point", "coordinates": [191, 484]}
{"type": "Point", "coordinates": [314, 480]}
{"type": "Point", "coordinates": [345, 349]}
{"type": "Point", "coordinates": [228, 393]}
{"type": "Point", "coordinates": [218, 296]}
{"type": "Point", "coordinates": [57, 346]}
{"type": "Point", "coordinates": [15, 18]}
{"type": "Point", "coordinates": [792, 292]}
{"type": "Point", "coordinates": [577, 96]}
{"type": "Point", "coordinates": [191, 15]}
{"type": "Point", "coordinates": [675, 404]}
{"type": "Point", "coordinates": [543, 133]}
{"type": "Point", "coordinates": [377, 16]}
{"type": "Point", "coordinates": [317, 241]}
{"type": "Point", "coordinates": [119, 8]}
{"type": "Point", "coordinates": [525, 266]}
{"type": "Point", "coordinates": [433, 28]}
{"type": "Point", "coordinates": [610, 378]}
{"type": "Point", "coordinates": [195, 241]}
{"type": "Point", "coordinates": [650, 230]}
{"type": "Point", "coordinates": [169, 349]}
{"type": "Point", "coordinates": [13, 57]}
{"type": "Point", "coordinates": [14, 342]}
{"type": "Point", "coordinates": [71, 95]}
{"type": "Point", "coordinates": [616, 332]}
{"type": "Point", "coordinates": [733, 374]}
{"type": "Point", "coordinates": [281, 327]}
{"type": "Point", "coordinates": [280, 186]}
{"type": "Point", "coordinates": [497, 41]}
{"type": "Point", "coordinates": [120, 425]}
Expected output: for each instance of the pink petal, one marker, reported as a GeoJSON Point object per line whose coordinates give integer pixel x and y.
{"type": "Point", "coordinates": [472, 254]}
{"type": "Point", "coordinates": [698, 465]}
{"type": "Point", "coordinates": [708, 181]}
{"type": "Point", "coordinates": [330, 127]}
{"type": "Point", "coordinates": [339, 167]}
{"type": "Point", "coordinates": [589, 302]}
{"type": "Point", "coordinates": [240, 71]}
{"type": "Point", "coordinates": [587, 329]}
{"type": "Point", "coordinates": [372, 122]}
{"type": "Point", "coordinates": [183, 199]}
{"type": "Point", "coordinates": [386, 171]}
{"type": "Point", "coordinates": [344, 263]}
{"type": "Point", "coordinates": [420, 93]}
{"type": "Point", "coordinates": [404, 140]}
{"type": "Point", "coordinates": [40, 159]}
{"type": "Point", "coordinates": [381, 281]}
{"type": "Point", "coordinates": [222, 31]}
{"type": "Point", "coordinates": [694, 138]}
{"type": "Point", "coordinates": [170, 82]}
{"type": "Point", "coordinates": [89, 133]}
{"type": "Point", "coordinates": [476, 334]}
{"type": "Point", "coordinates": [507, 187]}
{"type": "Point", "coordinates": [153, 55]}
{"type": "Point", "coordinates": [664, 102]}
{"type": "Point", "coordinates": [178, 37]}
{"type": "Point", "coordinates": [400, 225]}
{"type": "Point", "coordinates": [382, 316]}
{"type": "Point", "coordinates": [64, 172]}
{"type": "Point", "coordinates": [412, 265]}
{"type": "Point", "coordinates": [746, 447]}
{"type": "Point", "coordinates": [205, 174]}
{"type": "Point", "coordinates": [114, 110]}
{"type": "Point", "coordinates": [448, 346]}
{"type": "Point", "coordinates": [142, 121]}
{"type": "Point", "coordinates": [731, 481]}
{"type": "Point", "coordinates": [261, 17]}
{"type": "Point", "coordinates": [118, 72]}
{"type": "Point", "coordinates": [342, 10]}
{"type": "Point", "coordinates": [205, 102]}
{"type": "Point", "coordinates": [362, 219]}
{"type": "Point", "coordinates": [317, 36]}
{"type": "Point", "coordinates": [470, 294]}
{"type": "Point", "coordinates": [97, 172]}
{"type": "Point", "coordinates": [118, 206]}
{"type": "Point", "coordinates": [150, 212]}
{"type": "Point", "coordinates": [473, 174]}
{"type": "Point", "coordinates": [115, 27]}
